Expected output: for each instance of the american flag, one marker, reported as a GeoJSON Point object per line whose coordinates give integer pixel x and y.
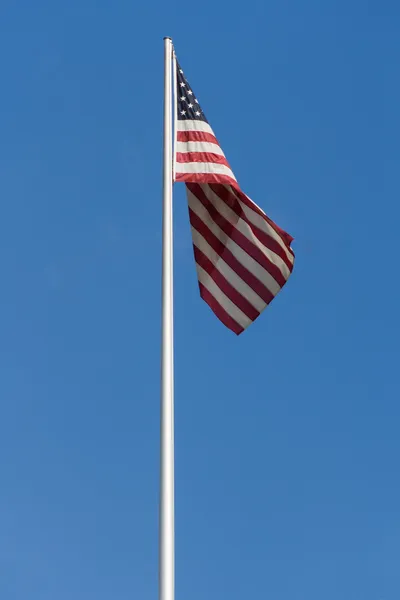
{"type": "Point", "coordinates": [243, 259]}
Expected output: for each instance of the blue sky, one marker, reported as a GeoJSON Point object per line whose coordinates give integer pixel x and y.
{"type": "Point", "coordinates": [287, 438]}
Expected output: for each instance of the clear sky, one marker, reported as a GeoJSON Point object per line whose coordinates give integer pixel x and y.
{"type": "Point", "coordinates": [287, 438]}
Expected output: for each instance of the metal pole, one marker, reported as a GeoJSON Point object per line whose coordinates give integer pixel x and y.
{"type": "Point", "coordinates": [167, 526]}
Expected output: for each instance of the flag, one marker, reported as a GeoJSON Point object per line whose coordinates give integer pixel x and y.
{"type": "Point", "coordinates": [243, 258]}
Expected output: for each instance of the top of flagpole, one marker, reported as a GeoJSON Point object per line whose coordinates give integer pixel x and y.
{"type": "Point", "coordinates": [167, 37]}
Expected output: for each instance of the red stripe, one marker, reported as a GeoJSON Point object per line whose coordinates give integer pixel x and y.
{"type": "Point", "coordinates": [255, 284]}
{"type": "Point", "coordinates": [219, 311]}
{"type": "Point", "coordinates": [230, 230]}
{"type": "Point", "coordinates": [230, 199]}
{"type": "Point", "coordinates": [224, 285]}
{"type": "Point", "coordinates": [286, 237]}
{"type": "Point", "coordinates": [205, 178]}
{"type": "Point", "coordinates": [203, 157]}
{"type": "Point", "coordinates": [196, 136]}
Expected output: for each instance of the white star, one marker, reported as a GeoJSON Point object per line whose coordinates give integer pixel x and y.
{"type": "Point", "coordinates": [190, 92]}
{"type": "Point", "coordinates": [190, 105]}
{"type": "Point", "coordinates": [183, 98]}
{"type": "Point", "coordinates": [197, 113]}
{"type": "Point", "coordinates": [196, 100]}
{"type": "Point", "coordinates": [180, 71]}
{"type": "Point", "coordinates": [182, 84]}
{"type": "Point", "coordinates": [183, 112]}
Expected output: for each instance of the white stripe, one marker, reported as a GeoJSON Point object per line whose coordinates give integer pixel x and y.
{"type": "Point", "coordinates": [245, 229]}
{"type": "Point", "coordinates": [189, 125]}
{"type": "Point", "coordinates": [227, 272]}
{"type": "Point", "coordinates": [223, 300]}
{"type": "Point", "coordinates": [245, 259]}
{"type": "Point", "coordinates": [199, 147]}
{"type": "Point", "coordinates": [206, 168]}
{"type": "Point", "coordinates": [262, 224]}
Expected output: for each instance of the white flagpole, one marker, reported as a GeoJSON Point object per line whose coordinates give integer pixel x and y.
{"type": "Point", "coordinates": [166, 523]}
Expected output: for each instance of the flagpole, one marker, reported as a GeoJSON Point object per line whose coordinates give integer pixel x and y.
{"type": "Point", "coordinates": [166, 518]}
